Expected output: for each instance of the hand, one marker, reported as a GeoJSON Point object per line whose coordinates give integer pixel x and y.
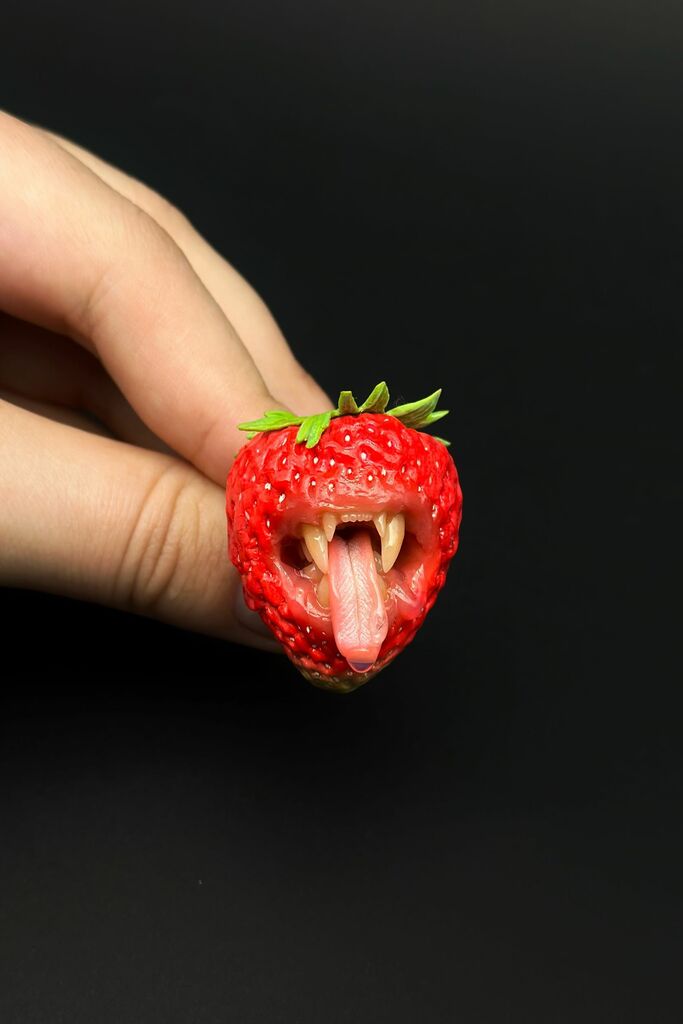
{"type": "Point", "coordinates": [129, 351]}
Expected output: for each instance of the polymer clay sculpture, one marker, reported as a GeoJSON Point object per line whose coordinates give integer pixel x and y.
{"type": "Point", "coordinates": [342, 526]}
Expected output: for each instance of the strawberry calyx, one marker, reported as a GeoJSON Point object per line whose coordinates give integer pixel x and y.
{"type": "Point", "coordinates": [416, 415]}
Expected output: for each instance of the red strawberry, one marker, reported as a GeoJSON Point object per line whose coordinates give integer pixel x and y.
{"type": "Point", "coordinates": [342, 526]}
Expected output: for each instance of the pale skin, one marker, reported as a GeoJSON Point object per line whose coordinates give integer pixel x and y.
{"type": "Point", "coordinates": [129, 352]}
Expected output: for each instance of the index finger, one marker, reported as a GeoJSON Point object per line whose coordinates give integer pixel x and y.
{"type": "Point", "coordinates": [78, 258]}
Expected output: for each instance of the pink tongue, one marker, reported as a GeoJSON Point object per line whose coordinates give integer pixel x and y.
{"type": "Point", "coordinates": [359, 618]}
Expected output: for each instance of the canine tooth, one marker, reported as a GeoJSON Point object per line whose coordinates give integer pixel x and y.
{"type": "Point", "coordinates": [329, 525]}
{"type": "Point", "coordinates": [311, 572]}
{"type": "Point", "coordinates": [392, 540]}
{"type": "Point", "coordinates": [380, 521]}
{"type": "Point", "coordinates": [323, 592]}
{"type": "Point", "coordinates": [316, 542]}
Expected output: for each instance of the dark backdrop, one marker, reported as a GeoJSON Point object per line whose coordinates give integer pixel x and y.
{"type": "Point", "coordinates": [484, 196]}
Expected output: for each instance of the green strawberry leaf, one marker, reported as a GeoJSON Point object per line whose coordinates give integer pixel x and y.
{"type": "Point", "coordinates": [435, 416]}
{"type": "Point", "coordinates": [347, 405]}
{"type": "Point", "coordinates": [377, 399]}
{"type": "Point", "coordinates": [442, 440]}
{"type": "Point", "coordinates": [312, 427]}
{"type": "Point", "coordinates": [416, 415]}
{"type": "Point", "coordinates": [274, 419]}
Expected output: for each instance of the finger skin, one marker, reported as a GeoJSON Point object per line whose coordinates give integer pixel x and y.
{"type": "Point", "coordinates": [249, 314]}
{"type": "Point", "coordinates": [53, 411]}
{"type": "Point", "coordinates": [78, 258]}
{"type": "Point", "coordinates": [97, 519]}
{"type": "Point", "coordinates": [42, 367]}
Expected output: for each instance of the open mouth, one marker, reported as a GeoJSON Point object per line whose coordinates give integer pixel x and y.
{"type": "Point", "coordinates": [352, 571]}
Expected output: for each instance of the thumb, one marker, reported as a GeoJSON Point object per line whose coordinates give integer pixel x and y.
{"type": "Point", "coordinates": [100, 520]}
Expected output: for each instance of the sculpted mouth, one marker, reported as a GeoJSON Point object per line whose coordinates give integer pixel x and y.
{"type": "Point", "coordinates": [390, 528]}
{"type": "Point", "coordinates": [350, 570]}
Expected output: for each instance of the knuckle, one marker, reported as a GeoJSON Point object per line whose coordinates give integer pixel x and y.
{"type": "Point", "coordinates": [140, 227]}
{"type": "Point", "coordinates": [164, 544]}
{"type": "Point", "coordinates": [162, 210]}
{"type": "Point", "coordinates": [151, 245]}
{"type": "Point", "coordinates": [158, 209]}
{"type": "Point", "coordinates": [128, 272]}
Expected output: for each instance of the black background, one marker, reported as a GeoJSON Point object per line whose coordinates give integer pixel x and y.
{"type": "Point", "coordinates": [480, 196]}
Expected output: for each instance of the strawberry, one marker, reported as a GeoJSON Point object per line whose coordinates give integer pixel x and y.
{"type": "Point", "coordinates": [342, 526]}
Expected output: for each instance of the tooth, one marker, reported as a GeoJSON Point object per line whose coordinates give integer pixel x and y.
{"type": "Point", "coordinates": [329, 525]}
{"type": "Point", "coordinates": [380, 521]}
{"type": "Point", "coordinates": [316, 542]}
{"type": "Point", "coordinates": [392, 540]}
{"type": "Point", "coordinates": [312, 572]}
{"type": "Point", "coordinates": [323, 592]}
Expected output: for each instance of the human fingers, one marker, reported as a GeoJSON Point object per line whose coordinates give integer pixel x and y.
{"type": "Point", "coordinates": [78, 258]}
{"type": "Point", "coordinates": [248, 313]}
{"type": "Point", "coordinates": [54, 411]}
{"type": "Point", "coordinates": [52, 370]}
{"type": "Point", "coordinates": [154, 526]}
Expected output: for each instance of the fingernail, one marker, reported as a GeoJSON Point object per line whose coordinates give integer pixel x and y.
{"type": "Point", "coordinates": [252, 621]}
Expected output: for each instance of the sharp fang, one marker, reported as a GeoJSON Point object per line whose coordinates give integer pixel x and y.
{"type": "Point", "coordinates": [329, 525]}
{"type": "Point", "coordinates": [380, 522]}
{"type": "Point", "coordinates": [316, 542]}
{"type": "Point", "coordinates": [392, 540]}
{"type": "Point", "coordinates": [323, 592]}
